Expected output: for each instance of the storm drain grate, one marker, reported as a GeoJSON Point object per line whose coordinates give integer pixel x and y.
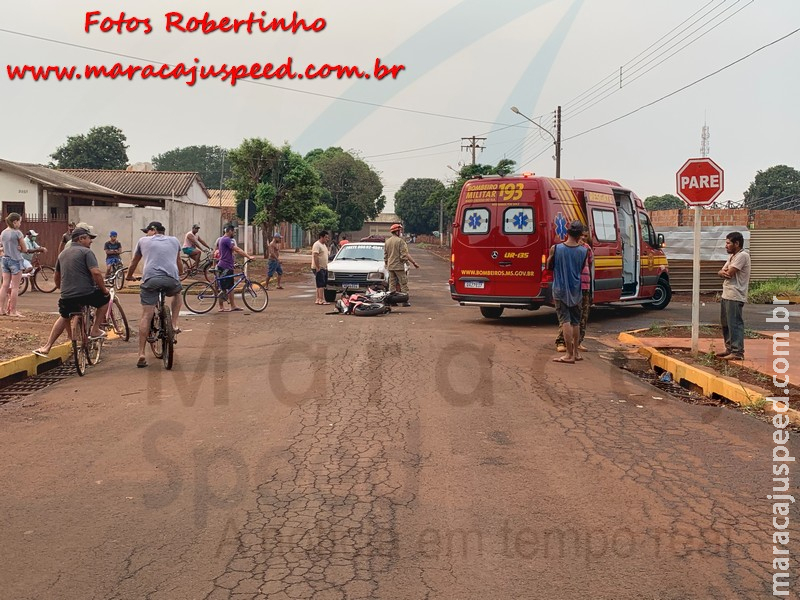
{"type": "Point", "coordinates": [35, 383]}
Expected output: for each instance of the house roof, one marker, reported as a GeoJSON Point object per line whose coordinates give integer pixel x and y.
{"type": "Point", "coordinates": [386, 218]}
{"type": "Point", "coordinates": [161, 184]}
{"type": "Point", "coordinates": [228, 198]}
{"type": "Point", "coordinates": [56, 180]}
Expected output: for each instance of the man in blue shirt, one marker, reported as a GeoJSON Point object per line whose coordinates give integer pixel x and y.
{"type": "Point", "coordinates": [566, 261]}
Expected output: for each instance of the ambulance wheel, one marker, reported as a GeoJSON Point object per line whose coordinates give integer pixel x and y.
{"type": "Point", "coordinates": [661, 297]}
{"type": "Point", "coordinates": [492, 312]}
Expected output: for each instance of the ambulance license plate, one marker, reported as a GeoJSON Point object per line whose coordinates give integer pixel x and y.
{"type": "Point", "coordinates": [477, 285]}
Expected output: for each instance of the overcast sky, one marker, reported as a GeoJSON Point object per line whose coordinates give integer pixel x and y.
{"type": "Point", "coordinates": [466, 63]}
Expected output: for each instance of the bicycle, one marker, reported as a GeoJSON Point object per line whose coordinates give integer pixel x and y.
{"type": "Point", "coordinates": [205, 266]}
{"type": "Point", "coordinates": [200, 297]}
{"type": "Point", "coordinates": [117, 276]}
{"type": "Point", "coordinates": [42, 278]}
{"type": "Point", "coordinates": [115, 316]}
{"type": "Point", "coordinates": [84, 350]}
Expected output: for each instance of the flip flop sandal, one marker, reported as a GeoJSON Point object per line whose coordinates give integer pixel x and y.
{"type": "Point", "coordinates": [561, 360]}
{"type": "Point", "coordinates": [39, 353]}
{"type": "Point", "coordinates": [237, 309]}
{"type": "Point", "coordinates": [141, 363]}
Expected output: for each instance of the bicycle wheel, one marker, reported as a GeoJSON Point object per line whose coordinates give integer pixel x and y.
{"type": "Point", "coordinates": [254, 296]}
{"type": "Point", "coordinates": [23, 285]}
{"type": "Point", "coordinates": [45, 280]}
{"type": "Point", "coordinates": [119, 279]}
{"type": "Point", "coordinates": [209, 272]}
{"type": "Point", "coordinates": [167, 338]}
{"type": "Point", "coordinates": [78, 352]}
{"type": "Point", "coordinates": [186, 267]}
{"type": "Point", "coordinates": [200, 297]}
{"type": "Point", "coordinates": [152, 337]}
{"type": "Point", "coordinates": [91, 347]}
{"type": "Point", "coordinates": [119, 321]}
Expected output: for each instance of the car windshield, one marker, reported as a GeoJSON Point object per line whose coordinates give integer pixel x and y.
{"type": "Point", "coordinates": [353, 251]}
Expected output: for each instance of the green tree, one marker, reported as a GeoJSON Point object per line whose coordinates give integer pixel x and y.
{"type": "Point", "coordinates": [101, 148]}
{"type": "Point", "coordinates": [414, 206]}
{"type": "Point", "coordinates": [665, 202]}
{"type": "Point", "coordinates": [350, 186]}
{"type": "Point", "coordinates": [283, 186]}
{"type": "Point", "coordinates": [208, 161]}
{"type": "Point", "coordinates": [321, 217]}
{"type": "Point", "coordinates": [776, 188]}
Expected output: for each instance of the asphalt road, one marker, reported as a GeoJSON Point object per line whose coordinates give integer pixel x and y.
{"type": "Point", "coordinates": [424, 454]}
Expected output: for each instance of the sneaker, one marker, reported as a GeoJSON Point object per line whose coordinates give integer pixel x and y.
{"type": "Point", "coordinates": [561, 348]}
{"type": "Point", "coordinates": [723, 354]}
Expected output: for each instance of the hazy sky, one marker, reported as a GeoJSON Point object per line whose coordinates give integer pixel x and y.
{"type": "Point", "coordinates": [466, 63]}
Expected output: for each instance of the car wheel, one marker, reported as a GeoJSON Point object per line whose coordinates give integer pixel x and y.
{"type": "Point", "coordinates": [492, 312]}
{"type": "Point", "coordinates": [661, 297]}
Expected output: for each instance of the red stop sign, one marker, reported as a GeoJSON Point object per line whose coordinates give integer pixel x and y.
{"type": "Point", "coordinates": [700, 181]}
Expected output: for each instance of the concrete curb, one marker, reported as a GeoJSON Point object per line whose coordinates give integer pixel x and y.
{"type": "Point", "coordinates": [706, 379]}
{"type": "Point", "coordinates": [27, 365]}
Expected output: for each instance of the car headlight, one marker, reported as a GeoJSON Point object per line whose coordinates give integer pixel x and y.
{"type": "Point", "coordinates": [331, 275]}
{"type": "Point", "coordinates": [375, 276]}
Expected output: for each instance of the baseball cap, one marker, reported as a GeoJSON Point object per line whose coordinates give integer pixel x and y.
{"type": "Point", "coordinates": [153, 225]}
{"type": "Point", "coordinates": [112, 234]}
{"type": "Point", "coordinates": [79, 231]}
{"type": "Point", "coordinates": [86, 226]}
{"type": "Point", "coordinates": [32, 233]}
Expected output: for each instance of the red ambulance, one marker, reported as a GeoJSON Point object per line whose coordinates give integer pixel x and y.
{"type": "Point", "coordinates": [504, 227]}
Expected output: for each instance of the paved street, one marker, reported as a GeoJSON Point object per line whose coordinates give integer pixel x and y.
{"type": "Point", "coordinates": [425, 454]}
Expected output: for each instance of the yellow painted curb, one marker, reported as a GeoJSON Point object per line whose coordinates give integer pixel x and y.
{"type": "Point", "coordinates": [29, 363]}
{"type": "Point", "coordinates": [706, 379]}
{"type": "Point", "coordinates": [19, 368]}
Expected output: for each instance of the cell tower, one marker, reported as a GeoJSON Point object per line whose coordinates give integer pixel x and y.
{"type": "Point", "coordinates": [704, 143]}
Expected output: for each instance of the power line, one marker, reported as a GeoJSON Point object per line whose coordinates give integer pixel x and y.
{"type": "Point", "coordinates": [685, 87]}
{"type": "Point", "coordinates": [627, 78]}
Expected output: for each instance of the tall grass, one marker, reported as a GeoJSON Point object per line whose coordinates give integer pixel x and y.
{"type": "Point", "coordinates": [761, 292]}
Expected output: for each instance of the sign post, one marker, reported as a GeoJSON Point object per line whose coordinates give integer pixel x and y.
{"type": "Point", "coordinates": [699, 182]}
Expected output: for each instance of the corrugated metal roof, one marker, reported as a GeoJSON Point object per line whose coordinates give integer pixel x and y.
{"type": "Point", "coordinates": [55, 179]}
{"type": "Point", "coordinates": [774, 253]}
{"type": "Point", "coordinates": [161, 184]}
{"type": "Point", "coordinates": [228, 197]}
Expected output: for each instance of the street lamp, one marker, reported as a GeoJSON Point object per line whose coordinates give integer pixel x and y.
{"type": "Point", "coordinates": [556, 138]}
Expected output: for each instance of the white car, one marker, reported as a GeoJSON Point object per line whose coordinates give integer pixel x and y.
{"type": "Point", "coordinates": [357, 265]}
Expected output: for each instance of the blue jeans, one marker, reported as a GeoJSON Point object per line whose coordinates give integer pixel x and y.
{"type": "Point", "coordinates": [732, 325]}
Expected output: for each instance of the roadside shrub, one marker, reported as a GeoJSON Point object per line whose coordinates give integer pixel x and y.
{"type": "Point", "coordinates": [761, 292]}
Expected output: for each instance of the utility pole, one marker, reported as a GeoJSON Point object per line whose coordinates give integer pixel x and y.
{"type": "Point", "coordinates": [558, 143]}
{"type": "Point", "coordinates": [474, 144]}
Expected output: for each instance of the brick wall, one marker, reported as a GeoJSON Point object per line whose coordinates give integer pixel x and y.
{"type": "Point", "coordinates": [730, 217]}
{"type": "Point", "coordinates": [777, 219]}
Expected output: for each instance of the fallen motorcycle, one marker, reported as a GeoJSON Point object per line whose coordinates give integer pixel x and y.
{"type": "Point", "coordinates": [361, 305]}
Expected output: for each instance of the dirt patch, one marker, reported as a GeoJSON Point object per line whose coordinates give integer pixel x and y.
{"type": "Point", "coordinates": [20, 335]}
{"type": "Point", "coordinates": [733, 370]}
{"type": "Point", "coordinates": [440, 251]}
{"type": "Point", "coordinates": [685, 331]}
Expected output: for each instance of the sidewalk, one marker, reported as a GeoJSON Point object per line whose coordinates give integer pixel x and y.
{"type": "Point", "coordinates": [758, 353]}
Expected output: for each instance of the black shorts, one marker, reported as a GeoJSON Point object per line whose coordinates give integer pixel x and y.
{"type": "Point", "coordinates": [322, 278]}
{"type": "Point", "coordinates": [67, 306]}
{"type": "Point", "coordinates": [226, 279]}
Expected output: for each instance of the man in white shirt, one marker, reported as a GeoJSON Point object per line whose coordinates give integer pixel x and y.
{"type": "Point", "coordinates": [735, 285]}
{"type": "Point", "coordinates": [319, 265]}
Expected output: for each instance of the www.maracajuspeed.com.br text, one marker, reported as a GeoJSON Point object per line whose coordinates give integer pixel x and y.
{"type": "Point", "coordinates": [191, 73]}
